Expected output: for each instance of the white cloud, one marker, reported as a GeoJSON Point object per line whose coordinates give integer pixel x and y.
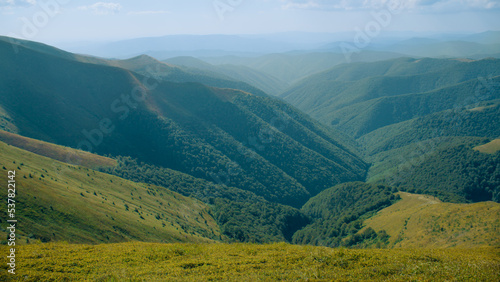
{"type": "Point", "coordinates": [142, 13]}
{"type": "Point", "coordinates": [412, 5]}
{"type": "Point", "coordinates": [17, 3]}
{"type": "Point", "coordinates": [102, 8]}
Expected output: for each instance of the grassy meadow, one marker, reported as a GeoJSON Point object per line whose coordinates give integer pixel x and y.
{"type": "Point", "coordinates": [422, 221]}
{"type": "Point", "coordinates": [247, 262]}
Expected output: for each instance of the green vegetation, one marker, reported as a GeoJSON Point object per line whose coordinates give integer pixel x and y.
{"type": "Point", "coordinates": [226, 136]}
{"type": "Point", "coordinates": [359, 98]}
{"type": "Point", "coordinates": [261, 80]}
{"type": "Point", "coordinates": [202, 157]}
{"type": "Point", "coordinates": [60, 202]}
{"type": "Point", "coordinates": [59, 153]}
{"type": "Point", "coordinates": [290, 68]}
{"type": "Point", "coordinates": [338, 214]}
{"type": "Point", "coordinates": [241, 215]}
{"type": "Point", "coordinates": [490, 148]}
{"type": "Point", "coordinates": [456, 174]}
{"type": "Point", "coordinates": [419, 221]}
{"type": "Point", "coordinates": [243, 262]}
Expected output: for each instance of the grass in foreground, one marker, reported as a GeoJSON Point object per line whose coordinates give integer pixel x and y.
{"type": "Point", "coordinates": [245, 262]}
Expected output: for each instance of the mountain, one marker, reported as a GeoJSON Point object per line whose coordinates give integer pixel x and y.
{"type": "Point", "coordinates": [387, 92]}
{"type": "Point", "coordinates": [487, 37]}
{"type": "Point", "coordinates": [145, 65]}
{"type": "Point", "coordinates": [182, 45]}
{"type": "Point", "coordinates": [261, 80]}
{"type": "Point", "coordinates": [447, 49]}
{"type": "Point", "coordinates": [418, 121]}
{"type": "Point", "coordinates": [61, 202]}
{"type": "Point", "coordinates": [227, 136]}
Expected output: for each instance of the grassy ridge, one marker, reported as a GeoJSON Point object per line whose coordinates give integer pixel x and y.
{"type": "Point", "coordinates": [56, 152]}
{"type": "Point", "coordinates": [420, 221]}
{"type": "Point", "coordinates": [56, 201]}
{"type": "Point", "coordinates": [489, 148]}
{"type": "Point", "coordinates": [244, 262]}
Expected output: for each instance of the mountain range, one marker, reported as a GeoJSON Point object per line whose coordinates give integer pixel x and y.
{"type": "Point", "coordinates": [298, 147]}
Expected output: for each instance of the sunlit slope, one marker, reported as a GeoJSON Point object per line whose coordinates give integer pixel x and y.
{"type": "Point", "coordinates": [56, 152]}
{"type": "Point", "coordinates": [489, 148]}
{"type": "Point", "coordinates": [61, 202]}
{"type": "Point", "coordinates": [421, 221]}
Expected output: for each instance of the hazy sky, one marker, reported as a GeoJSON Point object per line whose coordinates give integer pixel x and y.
{"type": "Point", "coordinates": [67, 20]}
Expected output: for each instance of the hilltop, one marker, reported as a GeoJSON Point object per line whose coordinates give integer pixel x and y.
{"type": "Point", "coordinates": [421, 221]}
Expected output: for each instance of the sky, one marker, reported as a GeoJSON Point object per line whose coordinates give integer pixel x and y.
{"type": "Point", "coordinates": [52, 21]}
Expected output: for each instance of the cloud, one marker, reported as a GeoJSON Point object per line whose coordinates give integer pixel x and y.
{"type": "Point", "coordinates": [17, 3]}
{"type": "Point", "coordinates": [411, 5]}
{"type": "Point", "coordinates": [102, 8]}
{"type": "Point", "coordinates": [142, 13]}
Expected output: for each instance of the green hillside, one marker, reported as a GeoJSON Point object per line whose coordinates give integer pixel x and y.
{"type": "Point", "coordinates": [60, 202]}
{"type": "Point", "coordinates": [141, 64]}
{"type": "Point", "coordinates": [434, 154]}
{"type": "Point", "coordinates": [149, 66]}
{"type": "Point", "coordinates": [456, 174]}
{"type": "Point", "coordinates": [59, 153]}
{"type": "Point", "coordinates": [338, 214]}
{"type": "Point", "coordinates": [359, 98]}
{"type": "Point", "coordinates": [460, 122]}
{"type": "Point", "coordinates": [489, 148]}
{"type": "Point", "coordinates": [258, 144]}
{"type": "Point", "coordinates": [241, 215]}
{"type": "Point", "coordinates": [420, 221]}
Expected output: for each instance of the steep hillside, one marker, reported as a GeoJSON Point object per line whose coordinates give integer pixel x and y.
{"type": "Point", "coordinates": [233, 138]}
{"type": "Point", "coordinates": [59, 153]}
{"type": "Point", "coordinates": [434, 154]}
{"type": "Point", "coordinates": [455, 173]}
{"type": "Point", "coordinates": [141, 64]}
{"type": "Point", "coordinates": [420, 221]}
{"type": "Point", "coordinates": [149, 66]}
{"type": "Point", "coordinates": [241, 215]}
{"type": "Point", "coordinates": [338, 214]}
{"type": "Point", "coordinates": [458, 122]}
{"type": "Point", "coordinates": [60, 202]}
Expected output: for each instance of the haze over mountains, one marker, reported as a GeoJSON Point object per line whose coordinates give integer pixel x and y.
{"type": "Point", "coordinates": [268, 142]}
{"type": "Point", "coordinates": [405, 43]}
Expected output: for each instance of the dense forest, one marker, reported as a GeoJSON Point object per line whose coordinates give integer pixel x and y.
{"type": "Point", "coordinates": [457, 174]}
{"type": "Point", "coordinates": [338, 215]}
